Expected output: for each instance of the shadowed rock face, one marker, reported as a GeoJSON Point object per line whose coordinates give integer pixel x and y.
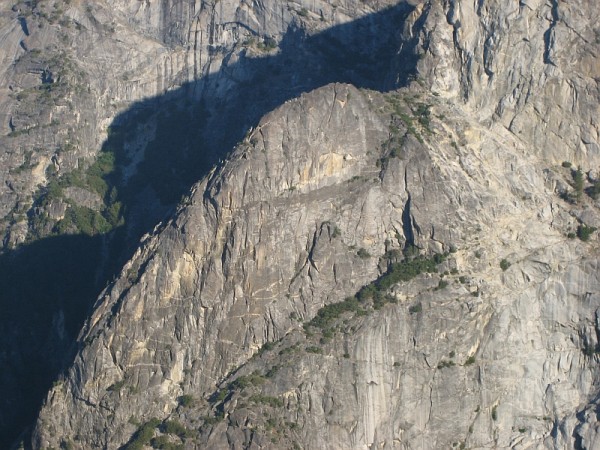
{"type": "Point", "coordinates": [73, 70]}
{"type": "Point", "coordinates": [298, 216]}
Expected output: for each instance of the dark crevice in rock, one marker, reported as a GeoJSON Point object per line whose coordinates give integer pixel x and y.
{"type": "Point", "coordinates": [407, 226]}
{"type": "Point", "coordinates": [549, 34]}
{"type": "Point", "coordinates": [577, 438]}
{"type": "Point", "coordinates": [24, 27]}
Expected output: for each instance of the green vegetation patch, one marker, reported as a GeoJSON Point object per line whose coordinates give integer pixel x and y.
{"type": "Point", "coordinates": [268, 400]}
{"type": "Point", "coordinates": [186, 401]}
{"type": "Point", "coordinates": [413, 115]}
{"type": "Point", "coordinates": [362, 253]}
{"type": "Point", "coordinates": [83, 219]}
{"type": "Point", "coordinates": [470, 361]}
{"type": "Point", "coordinates": [416, 308]}
{"type": "Point", "coordinates": [143, 435]}
{"type": "Point", "coordinates": [314, 349]}
{"type": "Point", "coordinates": [116, 387]}
{"type": "Point", "coordinates": [329, 313]}
{"type": "Point", "coordinates": [244, 381]}
{"type": "Point", "coordinates": [444, 364]}
{"type": "Point", "coordinates": [79, 219]}
{"type": "Point", "coordinates": [175, 428]}
{"type": "Point", "coordinates": [408, 269]}
{"type": "Point", "coordinates": [165, 443]}
{"type": "Point", "coordinates": [584, 232]}
{"type": "Point", "coordinates": [578, 183]}
{"type": "Point", "coordinates": [376, 291]}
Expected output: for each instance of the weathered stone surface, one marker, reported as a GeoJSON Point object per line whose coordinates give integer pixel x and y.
{"type": "Point", "coordinates": [69, 69]}
{"type": "Point", "coordinates": [531, 66]}
{"type": "Point", "coordinates": [78, 76]}
{"type": "Point", "coordinates": [255, 247]}
{"type": "Point", "coordinates": [229, 271]}
{"type": "Point", "coordinates": [466, 159]}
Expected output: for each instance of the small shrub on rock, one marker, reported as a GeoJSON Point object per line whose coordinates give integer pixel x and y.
{"type": "Point", "coordinates": [584, 232]}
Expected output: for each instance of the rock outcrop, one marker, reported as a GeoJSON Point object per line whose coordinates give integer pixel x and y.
{"type": "Point", "coordinates": [70, 70]}
{"type": "Point", "coordinates": [496, 349]}
{"type": "Point", "coordinates": [200, 342]}
{"type": "Point", "coordinates": [110, 113]}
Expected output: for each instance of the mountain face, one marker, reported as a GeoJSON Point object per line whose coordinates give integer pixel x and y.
{"type": "Point", "coordinates": [399, 251]}
{"type": "Point", "coordinates": [80, 77]}
{"type": "Point", "coordinates": [111, 113]}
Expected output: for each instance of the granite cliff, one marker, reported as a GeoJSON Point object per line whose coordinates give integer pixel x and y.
{"type": "Point", "coordinates": [112, 113]}
{"type": "Point", "coordinates": [402, 256]}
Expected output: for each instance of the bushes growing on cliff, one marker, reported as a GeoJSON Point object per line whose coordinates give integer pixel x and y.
{"type": "Point", "coordinates": [578, 184]}
{"type": "Point", "coordinates": [143, 435]}
{"type": "Point", "coordinates": [444, 364]}
{"type": "Point", "coordinates": [268, 400]}
{"type": "Point", "coordinates": [376, 291]}
{"type": "Point", "coordinates": [85, 220]}
{"type": "Point", "coordinates": [423, 113]}
{"type": "Point", "coordinates": [78, 218]}
{"type": "Point", "coordinates": [584, 232]}
{"type": "Point", "coordinates": [416, 308]}
{"type": "Point", "coordinates": [116, 387]}
{"type": "Point", "coordinates": [363, 254]}
{"type": "Point", "coordinates": [267, 346]}
{"type": "Point", "coordinates": [244, 381]}
{"type": "Point", "coordinates": [164, 443]}
{"type": "Point", "coordinates": [186, 400]}
{"type": "Point", "coordinates": [175, 428]}
{"type": "Point", "coordinates": [314, 349]}
{"type": "Point", "coordinates": [470, 360]}
{"type": "Point", "coordinates": [441, 285]}
{"type": "Point", "coordinates": [408, 269]}
{"type": "Point", "coordinates": [329, 313]}
{"type": "Point", "coordinates": [594, 190]}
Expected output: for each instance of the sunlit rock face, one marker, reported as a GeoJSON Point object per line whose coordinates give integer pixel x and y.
{"type": "Point", "coordinates": [449, 142]}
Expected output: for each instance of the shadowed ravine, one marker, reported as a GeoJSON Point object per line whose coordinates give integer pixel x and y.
{"type": "Point", "coordinates": [47, 287]}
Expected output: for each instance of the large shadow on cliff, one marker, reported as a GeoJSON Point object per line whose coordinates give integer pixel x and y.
{"type": "Point", "coordinates": [200, 122]}
{"type": "Point", "coordinates": [47, 288]}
